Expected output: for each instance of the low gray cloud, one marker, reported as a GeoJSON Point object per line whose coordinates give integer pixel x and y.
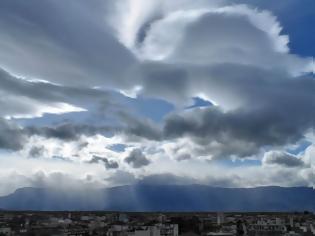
{"type": "Point", "coordinates": [282, 159]}
{"type": "Point", "coordinates": [135, 128]}
{"type": "Point", "coordinates": [139, 126]}
{"type": "Point", "coordinates": [183, 157]}
{"type": "Point", "coordinates": [14, 137]}
{"type": "Point", "coordinates": [36, 151]}
{"type": "Point", "coordinates": [11, 136]}
{"type": "Point", "coordinates": [109, 164]}
{"type": "Point", "coordinates": [66, 131]}
{"type": "Point", "coordinates": [137, 159]}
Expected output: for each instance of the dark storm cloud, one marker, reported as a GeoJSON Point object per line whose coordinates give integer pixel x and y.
{"type": "Point", "coordinates": [240, 132]}
{"type": "Point", "coordinates": [134, 127]}
{"type": "Point", "coordinates": [277, 110]}
{"type": "Point", "coordinates": [137, 159]}
{"type": "Point", "coordinates": [67, 131]}
{"type": "Point", "coordinates": [109, 164]}
{"type": "Point", "coordinates": [13, 137]}
{"type": "Point", "coordinates": [282, 159]}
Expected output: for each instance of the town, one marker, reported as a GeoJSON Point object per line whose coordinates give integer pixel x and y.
{"type": "Point", "coordinates": [156, 224]}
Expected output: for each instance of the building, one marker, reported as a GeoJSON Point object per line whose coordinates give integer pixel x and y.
{"type": "Point", "coordinates": [220, 218]}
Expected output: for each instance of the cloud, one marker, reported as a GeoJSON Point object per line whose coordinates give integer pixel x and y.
{"type": "Point", "coordinates": [18, 172]}
{"type": "Point", "coordinates": [121, 177]}
{"type": "Point", "coordinates": [109, 164]}
{"type": "Point", "coordinates": [28, 98]}
{"type": "Point", "coordinates": [66, 131]}
{"type": "Point", "coordinates": [139, 127]}
{"type": "Point", "coordinates": [78, 49]}
{"type": "Point", "coordinates": [282, 159]}
{"type": "Point", "coordinates": [37, 151]}
{"type": "Point", "coordinates": [72, 58]}
{"type": "Point", "coordinates": [234, 56]}
{"type": "Point", "coordinates": [15, 137]}
{"type": "Point", "coordinates": [186, 47]}
{"type": "Point", "coordinates": [266, 120]}
{"type": "Point", "coordinates": [131, 127]}
{"type": "Point", "coordinates": [209, 28]}
{"type": "Point", "coordinates": [309, 154]}
{"type": "Point", "coordinates": [137, 159]}
{"type": "Point", "coordinates": [11, 136]}
{"type": "Point", "coordinates": [240, 132]}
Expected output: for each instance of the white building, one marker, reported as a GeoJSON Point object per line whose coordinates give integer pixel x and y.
{"type": "Point", "coordinates": [220, 218]}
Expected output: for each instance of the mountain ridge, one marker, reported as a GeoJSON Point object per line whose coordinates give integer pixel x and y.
{"type": "Point", "coordinates": [186, 198]}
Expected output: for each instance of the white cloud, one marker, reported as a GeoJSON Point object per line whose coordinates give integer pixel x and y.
{"type": "Point", "coordinates": [309, 155]}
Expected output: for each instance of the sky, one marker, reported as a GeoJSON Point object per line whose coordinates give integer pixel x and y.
{"type": "Point", "coordinates": [104, 93]}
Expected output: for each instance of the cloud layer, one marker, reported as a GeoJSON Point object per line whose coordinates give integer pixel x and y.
{"type": "Point", "coordinates": [103, 92]}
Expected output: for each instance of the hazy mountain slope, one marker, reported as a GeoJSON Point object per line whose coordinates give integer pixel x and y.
{"type": "Point", "coordinates": [164, 198]}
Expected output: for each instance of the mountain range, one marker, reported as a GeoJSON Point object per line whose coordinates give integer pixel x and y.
{"type": "Point", "coordinates": [144, 198]}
